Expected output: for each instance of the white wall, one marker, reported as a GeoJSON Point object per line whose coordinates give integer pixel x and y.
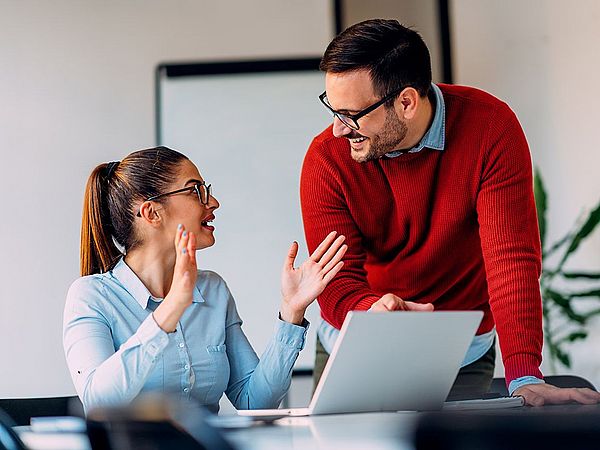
{"type": "Point", "coordinates": [541, 56]}
{"type": "Point", "coordinates": [76, 87]}
{"type": "Point", "coordinates": [420, 15]}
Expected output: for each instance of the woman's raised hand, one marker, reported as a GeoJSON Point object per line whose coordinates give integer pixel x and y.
{"type": "Point", "coordinates": [300, 286]}
{"type": "Point", "coordinates": [180, 294]}
{"type": "Point", "coordinates": [186, 270]}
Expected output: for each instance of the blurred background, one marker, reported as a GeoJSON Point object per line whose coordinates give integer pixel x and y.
{"type": "Point", "coordinates": [77, 85]}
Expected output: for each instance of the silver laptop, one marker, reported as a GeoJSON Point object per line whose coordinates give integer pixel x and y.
{"type": "Point", "coordinates": [390, 361]}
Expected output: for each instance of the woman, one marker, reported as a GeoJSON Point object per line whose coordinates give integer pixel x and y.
{"type": "Point", "coordinates": [148, 319]}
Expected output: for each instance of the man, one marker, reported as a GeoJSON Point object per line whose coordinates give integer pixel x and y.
{"type": "Point", "coordinates": [432, 187]}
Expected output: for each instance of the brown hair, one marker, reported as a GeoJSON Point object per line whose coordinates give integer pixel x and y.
{"type": "Point", "coordinates": [395, 56]}
{"type": "Point", "coordinates": [110, 193]}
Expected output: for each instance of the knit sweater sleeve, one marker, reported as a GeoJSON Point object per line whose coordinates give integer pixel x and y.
{"type": "Point", "coordinates": [324, 209]}
{"type": "Point", "coordinates": [511, 245]}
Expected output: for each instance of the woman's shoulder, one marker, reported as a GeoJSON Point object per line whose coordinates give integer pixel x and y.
{"type": "Point", "coordinates": [88, 283]}
{"type": "Point", "coordinates": [212, 284]}
{"type": "Point", "coordinates": [89, 289]}
{"type": "Point", "coordinates": [210, 277]}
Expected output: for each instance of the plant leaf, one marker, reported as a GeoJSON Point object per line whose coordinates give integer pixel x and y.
{"type": "Point", "coordinates": [539, 192]}
{"type": "Point", "coordinates": [587, 275]}
{"type": "Point", "coordinates": [587, 227]}
{"type": "Point", "coordinates": [559, 243]}
{"type": "Point", "coordinates": [576, 335]}
{"type": "Point", "coordinates": [563, 357]}
{"type": "Point", "coordinates": [592, 293]}
{"type": "Point", "coordinates": [565, 305]}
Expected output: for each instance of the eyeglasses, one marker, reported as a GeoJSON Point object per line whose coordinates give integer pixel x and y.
{"type": "Point", "coordinates": [202, 190]}
{"type": "Point", "coordinates": [351, 120]}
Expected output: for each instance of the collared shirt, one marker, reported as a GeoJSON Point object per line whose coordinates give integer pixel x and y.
{"type": "Point", "coordinates": [435, 139]}
{"type": "Point", "coordinates": [115, 349]}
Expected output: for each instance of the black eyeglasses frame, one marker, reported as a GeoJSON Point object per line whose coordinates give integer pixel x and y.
{"type": "Point", "coordinates": [194, 187]}
{"type": "Point", "coordinates": [351, 120]}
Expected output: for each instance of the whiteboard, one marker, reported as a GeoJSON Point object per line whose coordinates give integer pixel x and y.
{"type": "Point", "coordinates": [247, 126]}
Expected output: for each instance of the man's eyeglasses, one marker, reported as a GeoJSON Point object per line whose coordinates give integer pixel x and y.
{"type": "Point", "coordinates": [351, 120]}
{"type": "Point", "coordinates": [203, 191]}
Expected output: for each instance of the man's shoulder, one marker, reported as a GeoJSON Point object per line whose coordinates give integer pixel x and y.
{"type": "Point", "coordinates": [326, 147]}
{"type": "Point", "coordinates": [470, 96]}
{"type": "Point", "coordinates": [325, 138]}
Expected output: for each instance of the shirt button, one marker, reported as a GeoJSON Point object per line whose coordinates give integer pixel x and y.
{"type": "Point", "coordinates": [181, 344]}
{"type": "Point", "coordinates": [185, 389]}
{"type": "Point", "coordinates": [186, 367]}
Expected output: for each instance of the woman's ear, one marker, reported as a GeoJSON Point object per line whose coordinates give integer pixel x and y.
{"type": "Point", "coordinates": [149, 213]}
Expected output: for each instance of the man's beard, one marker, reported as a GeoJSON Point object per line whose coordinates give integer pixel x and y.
{"type": "Point", "coordinates": [387, 140]}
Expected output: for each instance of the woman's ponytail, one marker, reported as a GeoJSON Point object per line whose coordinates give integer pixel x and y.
{"type": "Point", "coordinates": [98, 252]}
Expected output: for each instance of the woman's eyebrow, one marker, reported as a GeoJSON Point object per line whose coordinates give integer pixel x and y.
{"type": "Point", "coordinates": [193, 181]}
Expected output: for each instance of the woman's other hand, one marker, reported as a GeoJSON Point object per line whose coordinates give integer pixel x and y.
{"type": "Point", "coordinates": [300, 286]}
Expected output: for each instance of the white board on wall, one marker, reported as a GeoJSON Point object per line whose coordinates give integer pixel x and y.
{"type": "Point", "coordinates": [247, 126]}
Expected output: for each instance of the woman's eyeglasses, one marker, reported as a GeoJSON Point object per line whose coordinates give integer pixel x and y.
{"type": "Point", "coordinates": [202, 189]}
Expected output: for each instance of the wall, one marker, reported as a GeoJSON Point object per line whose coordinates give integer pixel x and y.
{"type": "Point", "coordinates": [541, 57]}
{"type": "Point", "coordinates": [420, 15]}
{"type": "Point", "coordinates": [77, 89]}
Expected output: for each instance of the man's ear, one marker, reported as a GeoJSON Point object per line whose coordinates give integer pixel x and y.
{"type": "Point", "coordinates": [407, 103]}
{"type": "Point", "coordinates": [149, 213]}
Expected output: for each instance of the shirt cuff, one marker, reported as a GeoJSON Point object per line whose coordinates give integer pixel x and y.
{"type": "Point", "coordinates": [290, 334]}
{"type": "Point", "coordinates": [523, 381]}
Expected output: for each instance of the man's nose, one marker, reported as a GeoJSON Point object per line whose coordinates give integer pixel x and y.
{"type": "Point", "coordinates": [340, 128]}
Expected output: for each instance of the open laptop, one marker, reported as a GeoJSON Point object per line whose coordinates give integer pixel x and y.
{"type": "Point", "coordinates": [389, 361]}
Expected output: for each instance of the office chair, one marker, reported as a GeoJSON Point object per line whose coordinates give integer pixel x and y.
{"type": "Point", "coordinates": [8, 438]}
{"type": "Point", "coordinates": [21, 410]}
{"type": "Point", "coordinates": [154, 422]}
{"type": "Point", "coordinates": [566, 381]}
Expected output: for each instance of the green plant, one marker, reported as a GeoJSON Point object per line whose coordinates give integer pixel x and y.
{"type": "Point", "coordinates": [567, 307]}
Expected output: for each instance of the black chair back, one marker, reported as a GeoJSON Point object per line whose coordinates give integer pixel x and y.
{"type": "Point", "coordinates": [21, 410]}
{"type": "Point", "coordinates": [8, 438]}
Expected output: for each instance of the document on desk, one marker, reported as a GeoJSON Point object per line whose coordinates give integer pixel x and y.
{"type": "Point", "coordinates": [484, 403]}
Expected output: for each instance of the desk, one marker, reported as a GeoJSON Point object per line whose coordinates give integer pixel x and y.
{"type": "Point", "coordinates": [375, 431]}
{"type": "Point", "coordinates": [378, 431]}
{"type": "Point", "coordinates": [387, 431]}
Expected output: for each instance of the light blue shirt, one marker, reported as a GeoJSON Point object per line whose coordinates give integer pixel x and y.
{"type": "Point", "coordinates": [115, 350]}
{"type": "Point", "coordinates": [434, 138]}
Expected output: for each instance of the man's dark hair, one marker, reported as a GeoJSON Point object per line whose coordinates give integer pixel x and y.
{"type": "Point", "coordinates": [395, 56]}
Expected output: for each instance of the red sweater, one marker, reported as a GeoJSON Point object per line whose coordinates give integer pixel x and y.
{"type": "Point", "coordinates": [456, 228]}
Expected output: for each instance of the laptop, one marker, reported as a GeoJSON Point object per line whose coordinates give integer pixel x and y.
{"type": "Point", "coordinates": [389, 361]}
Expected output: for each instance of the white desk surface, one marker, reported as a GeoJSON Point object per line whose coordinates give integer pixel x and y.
{"type": "Point", "coordinates": [375, 431]}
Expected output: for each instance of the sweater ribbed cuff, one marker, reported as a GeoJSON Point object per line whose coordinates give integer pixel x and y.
{"type": "Point", "coordinates": [366, 303]}
{"type": "Point", "coordinates": [521, 365]}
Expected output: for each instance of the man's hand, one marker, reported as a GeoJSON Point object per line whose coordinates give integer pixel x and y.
{"type": "Point", "coordinates": [391, 302]}
{"type": "Point", "coordinates": [546, 394]}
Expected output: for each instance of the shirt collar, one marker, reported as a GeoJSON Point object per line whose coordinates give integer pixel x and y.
{"type": "Point", "coordinates": [136, 288]}
{"type": "Point", "coordinates": [435, 138]}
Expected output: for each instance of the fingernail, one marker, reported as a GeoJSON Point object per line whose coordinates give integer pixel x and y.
{"type": "Point", "coordinates": [179, 226]}
{"type": "Point", "coordinates": [184, 251]}
{"type": "Point", "coordinates": [184, 233]}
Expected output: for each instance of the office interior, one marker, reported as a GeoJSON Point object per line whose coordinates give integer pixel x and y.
{"type": "Point", "coordinates": [78, 87]}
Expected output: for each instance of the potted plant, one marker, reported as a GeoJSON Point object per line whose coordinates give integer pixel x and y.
{"type": "Point", "coordinates": [567, 306]}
